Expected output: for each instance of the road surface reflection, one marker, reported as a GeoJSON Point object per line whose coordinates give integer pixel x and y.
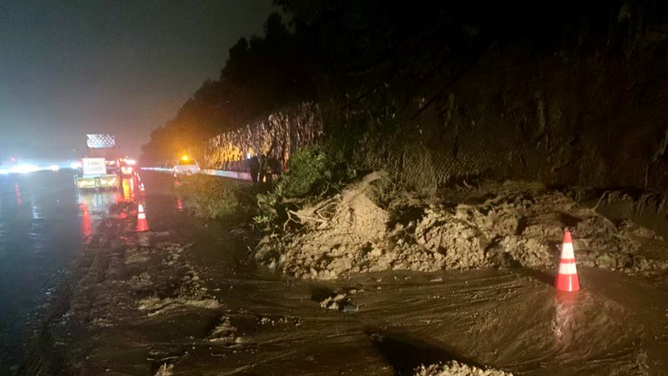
{"type": "Point", "coordinates": [44, 223]}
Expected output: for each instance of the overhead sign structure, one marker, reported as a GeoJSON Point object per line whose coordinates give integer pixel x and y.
{"type": "Point", "coordinates": [100, 141]}
{"type": "Point", "coordinates": [94, 166]}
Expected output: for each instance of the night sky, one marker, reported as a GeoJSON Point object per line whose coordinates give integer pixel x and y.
{"type": "Point", "coordinates": [68, 68]}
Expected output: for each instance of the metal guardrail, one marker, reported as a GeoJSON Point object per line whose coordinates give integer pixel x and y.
{"type": "Point", "coordinates": [223, 173]}
{"type": "Point", "coordinates": [161, 169]}
{"type": "Point", "coordinates": [229, 174]}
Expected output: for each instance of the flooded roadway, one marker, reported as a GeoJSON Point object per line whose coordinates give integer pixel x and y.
{"type": "Point", "coordinates": [44, 224]}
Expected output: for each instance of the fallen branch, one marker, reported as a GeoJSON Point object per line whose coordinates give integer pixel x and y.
{"type": "Point", "coordinates": [601, 199]}
{"type": "Point", "coordinates": [290, 219]}
{"type": "Point", "coordinates": [303, 216]}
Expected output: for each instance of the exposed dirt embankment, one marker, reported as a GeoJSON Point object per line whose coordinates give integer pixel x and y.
{"type": "Point", "coordinates": [371, 226]}
{"type": "Point", "coordinates": [545, 111]}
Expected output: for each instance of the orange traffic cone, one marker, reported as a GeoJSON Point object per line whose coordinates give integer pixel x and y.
{"type": "Point", "coordinates": [142, 224]}
{"type": "Point", "coordinates": [142, 189]}
{"type": "Point", "coordinates": [567, 276]}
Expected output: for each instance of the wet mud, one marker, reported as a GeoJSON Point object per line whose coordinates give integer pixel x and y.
{"type": "Point", "coordinates": [510, 224]}
{"type": "Point", "coordinates": [187, 298]}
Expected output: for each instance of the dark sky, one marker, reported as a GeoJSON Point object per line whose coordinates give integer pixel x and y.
{"type": "Point", "coordinates": [71, 67]}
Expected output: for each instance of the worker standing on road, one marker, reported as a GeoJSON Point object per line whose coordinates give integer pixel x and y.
{"type": "Point", "coordinates": [263, 170]}
{"type": "Point", "coordinates": [254, 169]}
{"type": "Point", "coordinates": [274, 167]}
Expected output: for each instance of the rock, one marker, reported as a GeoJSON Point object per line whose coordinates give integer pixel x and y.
{"type": "Point", "coordinates": [350, 308]}
{"type": "Point", "coordinates": [339, 297]}
{"type": "Point", "coordinates": [329, 303]}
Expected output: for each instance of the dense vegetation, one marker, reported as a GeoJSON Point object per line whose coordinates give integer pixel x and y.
{"type": "Point", "coordinates": [559, 91]}
{"type": "Point", "coordinates": [329, 52]}
{"type": "Point", "coordinates": [262, 75]}
{"type": "Point", "coordinates": [315, 173]}
{"type": "Point", "coordinates": [214, 198]}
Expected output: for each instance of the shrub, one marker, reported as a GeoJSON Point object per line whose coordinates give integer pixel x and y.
{"type": "Point", "coordinates": [213, 198]}
{"type": "Point", "coordinates": [312, 174]}
{"type": "Point", "coordinates": [312, 169]}
{"type": "Point", "coordinates": [268, 209]}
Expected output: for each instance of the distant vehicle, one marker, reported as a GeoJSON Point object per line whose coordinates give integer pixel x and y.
{"type": "Point", "coordinates": [186, 166]}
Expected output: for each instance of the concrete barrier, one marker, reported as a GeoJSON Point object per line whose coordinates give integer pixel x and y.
{"type": "Point", "coordinates": [161, 169]}
{"type": "Point", "coordinates": [229, 174]}
{"type": "Point", "coordinates": [223, 173]}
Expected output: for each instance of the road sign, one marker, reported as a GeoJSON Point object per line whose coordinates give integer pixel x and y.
{"type": "Point", "coordinates": [94, 166]}
{"type": "Point", "coordinates": [100, 141]}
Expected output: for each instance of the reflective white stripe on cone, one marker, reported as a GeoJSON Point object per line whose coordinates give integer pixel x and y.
{"type": "Point", "coordinates": [142, 223]}
{"type": "Point", "coordinates": [567, 275]}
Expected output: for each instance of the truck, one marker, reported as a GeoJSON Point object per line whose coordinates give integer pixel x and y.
{"type": "Point", "coordinates": [99, 167]}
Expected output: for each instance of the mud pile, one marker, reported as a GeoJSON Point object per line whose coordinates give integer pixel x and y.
{"type": "Point", "coordinates": [494, 224]}
{"type": "Point", "coordinates": [455, 368]}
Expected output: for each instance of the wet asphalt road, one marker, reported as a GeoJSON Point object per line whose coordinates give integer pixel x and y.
{"type": "Point", "coordinates": [44, 223]}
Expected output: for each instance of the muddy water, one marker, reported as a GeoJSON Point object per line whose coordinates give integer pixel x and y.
{"type": "Point", "coordinates": [507, 319]}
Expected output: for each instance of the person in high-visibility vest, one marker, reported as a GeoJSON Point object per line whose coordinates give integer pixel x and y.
{"type": "Point", "coordinates": [264, 167]}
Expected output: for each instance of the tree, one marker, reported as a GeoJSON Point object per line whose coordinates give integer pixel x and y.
{"type": "Point", "coordinates": [261, 75]}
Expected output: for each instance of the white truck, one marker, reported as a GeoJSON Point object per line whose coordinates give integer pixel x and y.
{"type": "Point", "coordinates": [94, 175]}
{"type": "Point", "coordinates": [94, 172]}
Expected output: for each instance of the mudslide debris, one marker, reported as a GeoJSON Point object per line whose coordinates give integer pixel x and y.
{"type": "Point", "coordinates": [494, 224]}
{"type": "Point", "coordinates": [455, 368]}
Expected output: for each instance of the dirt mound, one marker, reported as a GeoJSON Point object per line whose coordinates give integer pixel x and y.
{"type": "Point", "coordinates": [455, 368]}
{"type": "Point", "coordinates": [510, 224]}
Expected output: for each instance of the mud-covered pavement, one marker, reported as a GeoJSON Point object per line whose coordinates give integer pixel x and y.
{"type": "Point", "coordinates": [187, 299]}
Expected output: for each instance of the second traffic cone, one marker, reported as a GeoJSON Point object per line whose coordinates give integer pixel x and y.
{"type": "Point", "coordinates": [142, 224]}
{"type": "Point", "coordinates": [567, 275]}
